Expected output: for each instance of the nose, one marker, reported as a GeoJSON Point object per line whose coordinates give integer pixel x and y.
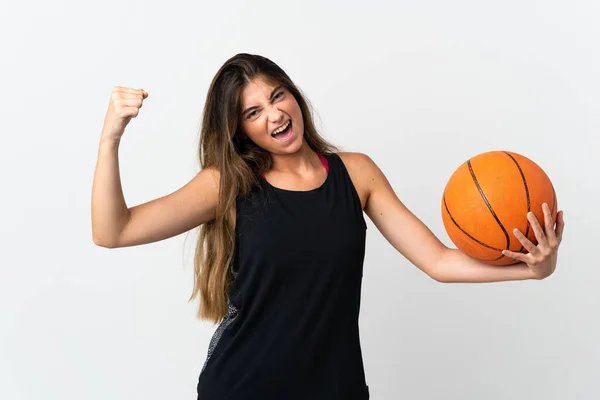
{"type": "Point", "coordinates": [274, 114]}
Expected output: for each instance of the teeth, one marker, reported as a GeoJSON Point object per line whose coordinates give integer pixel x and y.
{"type": "Point", "coordinates": [281, 129]}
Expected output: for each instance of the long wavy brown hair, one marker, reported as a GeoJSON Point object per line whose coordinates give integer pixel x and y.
{"type": "Point", "coordinates": [239, 162]}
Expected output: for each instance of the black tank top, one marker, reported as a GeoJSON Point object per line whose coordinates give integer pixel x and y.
{"type": "Point", "coordinates": [291, 332]}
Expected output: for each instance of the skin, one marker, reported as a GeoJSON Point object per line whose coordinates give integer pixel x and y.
{"type": "Point", "coordinates": [297, 167]}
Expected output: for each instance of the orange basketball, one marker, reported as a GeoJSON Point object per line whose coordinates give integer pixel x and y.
{"type": "Point", "coordinates": [490, 195]}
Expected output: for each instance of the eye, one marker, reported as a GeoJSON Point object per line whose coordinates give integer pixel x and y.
{"type": "Point", "coordinates": [250, 115]}
{"type": "Point", "coordinates": [278, 95]}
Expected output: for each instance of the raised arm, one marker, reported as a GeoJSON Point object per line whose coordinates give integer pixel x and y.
{"type": "Point", "coordinates": [114, 224]}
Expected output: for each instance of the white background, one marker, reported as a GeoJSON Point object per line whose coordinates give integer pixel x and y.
{"type": "Point", "coordinates": [420, 86]}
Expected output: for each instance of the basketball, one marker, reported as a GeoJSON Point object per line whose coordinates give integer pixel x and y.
{"type": "Point", "coordinates": [487, 197]}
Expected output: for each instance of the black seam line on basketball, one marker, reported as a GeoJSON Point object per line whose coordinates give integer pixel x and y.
{"type": "Point", "coordinates": [489, 259]}
{"type": "Point", "coordinates": [487, 203]}
{"type": "Point", "coordinates": [465, 232]}
{"type": "Point", "coordinates": [526, 194]}
{"type": "Point", "coordinates": [471, 237]}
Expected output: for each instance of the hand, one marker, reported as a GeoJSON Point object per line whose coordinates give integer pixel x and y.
{"type": "Point", "coordinates": [541, 259]}
{"type": "Point", "coordinates": [125, 104]}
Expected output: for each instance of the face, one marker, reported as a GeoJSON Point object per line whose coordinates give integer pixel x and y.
{"type": "Point", "coordinates": [271, 117]}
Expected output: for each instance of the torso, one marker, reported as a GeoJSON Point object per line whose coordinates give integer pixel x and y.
{"type": "Point", "coordinates": [351, 161]}
{"type": "Point", "coordinates": [291, 331]}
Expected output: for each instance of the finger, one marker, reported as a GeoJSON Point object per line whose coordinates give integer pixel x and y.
{"type": "Point", "coordinates": [560, 225]}
{"type": "Point", "coordinates": [128, 96]}
{"type": "Point", "coordinates": [516, 255]}
{"type": "Point", "coordinates": [127, 90]}
{"type": "Point", "coordinates": [131, 102]}
{"type": "Point", "coordinates": [532, 248]}
{"type": "Point", "coordinates": [549, 226]}
{"type": "Point", "coordinates": [537, 229]}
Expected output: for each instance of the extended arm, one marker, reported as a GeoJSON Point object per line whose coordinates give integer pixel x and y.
{"type": "Point", "coordinates": [415, 241]}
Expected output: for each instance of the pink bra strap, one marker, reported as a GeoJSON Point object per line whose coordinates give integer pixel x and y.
{"type": "Point", "coordinates": [324, 161]}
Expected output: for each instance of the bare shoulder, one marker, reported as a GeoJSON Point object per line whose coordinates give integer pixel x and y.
{"type": "Point", "coordinates": [363, 172]}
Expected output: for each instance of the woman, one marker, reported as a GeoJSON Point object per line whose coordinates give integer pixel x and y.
{"type": "Point", "coordinates": [282, 237]}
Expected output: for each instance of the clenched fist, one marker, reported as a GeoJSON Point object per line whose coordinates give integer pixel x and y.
{"type": "Point", "coordinates": [125, 104]}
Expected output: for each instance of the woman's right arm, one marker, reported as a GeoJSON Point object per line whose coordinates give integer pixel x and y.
{"type": "Point", "coordinates": [116, 225]}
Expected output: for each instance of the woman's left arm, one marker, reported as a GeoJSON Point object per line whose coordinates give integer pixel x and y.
{"type": "Point", "coordinates": [415, 241]}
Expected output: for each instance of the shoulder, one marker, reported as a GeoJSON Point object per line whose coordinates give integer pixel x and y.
{"type": "Point", "coordinates": [210, 178]}
{"type": "Point", "coordinates": [363, 172]}
{"type": "Point", "coordinates": [355, 159]}
{"type": "Point", "coordinates": [359, 164]}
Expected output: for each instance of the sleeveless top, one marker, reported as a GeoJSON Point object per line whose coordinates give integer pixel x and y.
{"type": "Point", "coordinates": [291, 331]}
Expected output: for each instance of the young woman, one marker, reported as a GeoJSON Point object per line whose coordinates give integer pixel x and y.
{"type": "Point", "coordinates": [282, 237]}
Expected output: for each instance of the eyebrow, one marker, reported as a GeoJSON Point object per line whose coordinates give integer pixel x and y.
{"type": "Point", "coordinates": [271, 98]}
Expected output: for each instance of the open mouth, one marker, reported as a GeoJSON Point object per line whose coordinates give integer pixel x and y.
{"type": "Point", "coordinates": [284, 132]}
{"type": "Point", "coordinates": [283, 129]}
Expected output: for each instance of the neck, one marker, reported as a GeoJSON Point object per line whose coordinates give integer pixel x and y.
{"type": "Point", "coordinates": [299, 162]}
